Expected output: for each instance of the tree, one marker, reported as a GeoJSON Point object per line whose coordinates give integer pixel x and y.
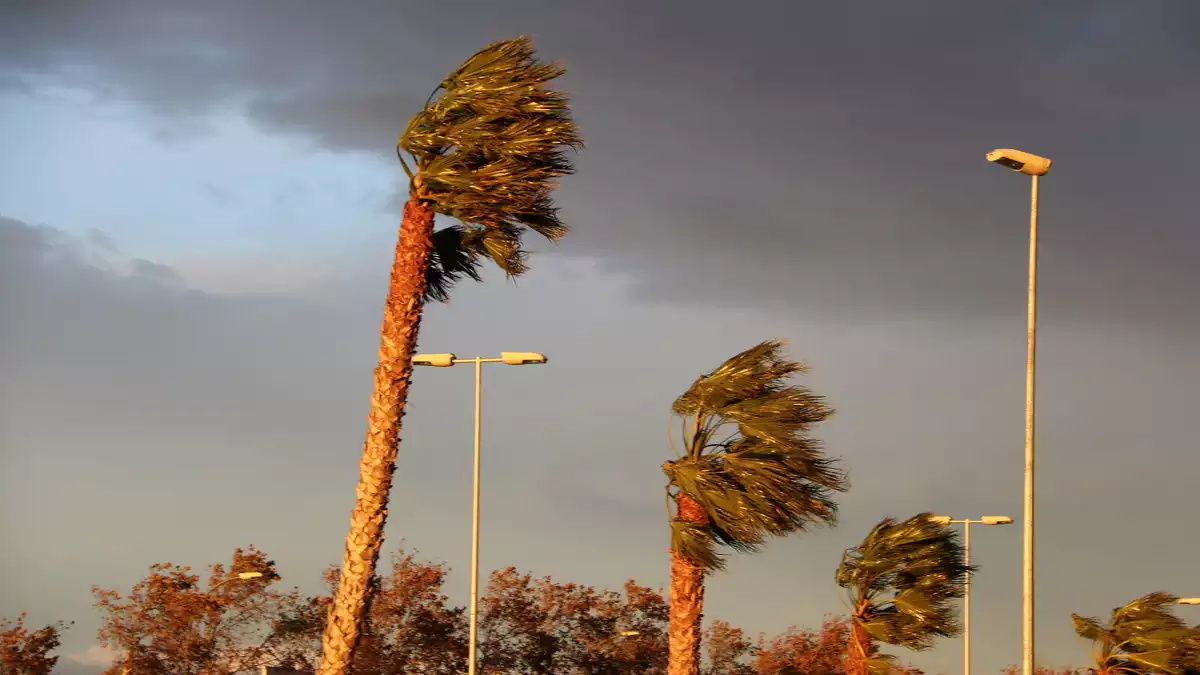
{"type": "Point", "coordinates": [1143, 637]}
{"type": "Point", "coordinates": [727, 649]}
{"type": "Point", "coordinates": [536, 626]}
{"type": "Point", "coordinates": [820, 652]}
{"type": "Point", "coordinates": [27, 652]}
{"type": "Point", "coordinates": [899, 583]}
{"type": "Point", "coordinates": [171, 624]}
{"type": "Point", "coordinates": [410, 629]}
{"type": "Point", "coordinates": [764, 477]}
{"type": "Point", "coordinates": [487, 152]}
{"type": "Point", "coordinates": [807, 652]}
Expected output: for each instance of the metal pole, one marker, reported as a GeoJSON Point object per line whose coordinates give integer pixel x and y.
{"type": "Point", "coordinates": [967, 599]}
{"type": "Point", "coordinates": [1027, 608]}
{"type": "Point", "coordinates": [474, 616]}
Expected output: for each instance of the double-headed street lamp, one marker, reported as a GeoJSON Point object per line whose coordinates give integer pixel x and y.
{"type": "Point", "coordinates": [1035, 167]}
{"type": "Point", "coordinates": [445, 361]}
{"type": "Point", "coordinates": [967, 523]}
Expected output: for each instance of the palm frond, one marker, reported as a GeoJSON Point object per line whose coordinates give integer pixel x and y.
{"type": "Point", "coordinates": [881, 664]}
{"type": "Point", "coordinates": [1187, 652]}
{"type": "Point", "coordinates": [1089, 628]}
{"type": "Point", "coordinates": [489, 149]}
{"type": "Point", "coordinates": [1143, 636]}
{"type": "Point", "coordinates": [454, 256]}
{"type": "Point", "coordinates": [768, 477]}
{"type": "Point", "coordinates": [902, 579]}
{"type": "Point", "coordinates": [696, 543]}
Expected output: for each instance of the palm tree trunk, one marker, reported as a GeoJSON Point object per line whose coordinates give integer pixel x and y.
{"type": "Point", "coordinates": [859, 650]}
{"type": "Point", "coordinates": [398, 342]}
{"type": "Point", "coordinates": [687, 600]}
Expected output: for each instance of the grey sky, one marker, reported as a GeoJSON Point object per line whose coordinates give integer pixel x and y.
{"type": "Point", "coordinates": [814, 173]}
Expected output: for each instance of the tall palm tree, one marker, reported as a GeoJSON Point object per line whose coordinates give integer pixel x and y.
{"type": "Point", "coordinates": [748, 469]}
{"type": "Point", "coordinates": [486, 152]}
{"type": "Point", "coordinates": [1143, 637]}
{"type": "Point", "coordinates": [899, 583]}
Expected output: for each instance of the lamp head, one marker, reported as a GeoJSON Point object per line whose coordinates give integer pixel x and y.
{"type": "Point", "coordinates": [996, 520]}
{"type": "Point", "coordinates": [249, 575]}
{"type": "Point", "coordinates": [941, 520]}
{"type": "Point", "coordinates": [521, 358]}
{"type": "Point", "coordinates": [435, 360]}
{"type": "Point", "coordinates": [1031, 165]}
{"type": "Point", "coordinates": [1189, 601]}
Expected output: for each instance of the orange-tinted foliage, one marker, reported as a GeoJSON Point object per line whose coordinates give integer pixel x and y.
{"type": "Point", "coordinates": [173, 622]}
{"type": "Point", "coordinates": [25, 651]}
{"type": "Point", "coordinates": [534, 625]}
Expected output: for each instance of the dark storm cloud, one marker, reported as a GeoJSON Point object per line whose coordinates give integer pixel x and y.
{"type": "Point", "coordinates": [820, 157]}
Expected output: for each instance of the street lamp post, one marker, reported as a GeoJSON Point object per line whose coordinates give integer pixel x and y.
{"type": "Point", "coordinates": [445, 361]}
{"type": "Point", "coordinates": [967, 523]}
{"type": "Point", "coordinates": [1035, 167]}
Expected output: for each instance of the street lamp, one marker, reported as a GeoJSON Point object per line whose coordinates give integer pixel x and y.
{"type": "Point", "coordinates": [445, 361]}
{"type": "Point", "coordinates": [1035, 167]}
{"type": "Point", "coordinates": [242, 576]}
{"type": "Point", "coordinates": [967, 523]}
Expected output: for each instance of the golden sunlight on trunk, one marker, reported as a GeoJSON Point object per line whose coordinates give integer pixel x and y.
{"type": "Point", "coordinates": [398, 341]}
{"type": "Point", "coordinates": [687, 601]}
{"type": "Point", "coordinates": [859, 650]}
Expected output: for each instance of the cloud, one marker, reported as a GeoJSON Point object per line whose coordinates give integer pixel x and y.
{"type": "Point", "coordinates": [94, 656]}
{"type": "Point", "coordinates": [798, 157]}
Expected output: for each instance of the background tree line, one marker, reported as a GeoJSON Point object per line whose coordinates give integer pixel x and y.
{"type": "Point", "coordinates": [237, 618]}
{"type": "Point", "coordinates": [177, 622]}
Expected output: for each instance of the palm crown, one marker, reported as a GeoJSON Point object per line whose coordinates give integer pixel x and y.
{"type": "Point", "coordinates": [1142, 637]}
{"type": "Point", "coordinates": [747, 459]}
{"type": "Point", "coordinates": [487, 151]}
{"type": "Point", "coordinates": [901, 579]}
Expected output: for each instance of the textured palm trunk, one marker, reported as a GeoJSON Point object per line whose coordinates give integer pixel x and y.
{"type": "Point", "coordinates": [398, 342]}
{"type": "Point", "coordinates": [859, 650]}
{"type": "Point", "coordinates": [687, 601]}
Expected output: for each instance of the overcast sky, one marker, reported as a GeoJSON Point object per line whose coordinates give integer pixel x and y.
{"type": "Point", "coordinates": [197, 206]}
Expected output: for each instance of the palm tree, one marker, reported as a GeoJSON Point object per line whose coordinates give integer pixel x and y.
{"type": "Point", "coordinates": [1143, 637]}
{"type": "Point", "coordinates": [899, 583]}
{"type": "Point", "coordinates": [748, 470]}
{"type": "Point", "coordinates": [485, 152]}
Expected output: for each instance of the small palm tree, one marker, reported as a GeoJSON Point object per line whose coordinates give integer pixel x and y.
{"type": "Point", "coordinates": [748, 470]}
{"type": "Point", "coordinates": [899, 583]}
{"type": "Point", "coordinates": [1143, 637]}
{"type": "Point", "coordinates": [486, 152]}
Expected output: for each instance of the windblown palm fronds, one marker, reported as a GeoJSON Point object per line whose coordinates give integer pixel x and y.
{"type": "Point", "coordinates": [748, 470]}
{"type": "Point", "coordinates": [487, 152]}
{"type": "Point", "coordinates": [1143, 637]}
{"type": "Point", "coordinates": [900, 583]}
{"type": "Point", "coordinates": [748, 460]}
